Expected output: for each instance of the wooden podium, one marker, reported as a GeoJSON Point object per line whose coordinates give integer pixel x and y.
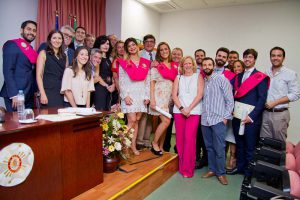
{"type": "Point", "coordinates": [67, 156]}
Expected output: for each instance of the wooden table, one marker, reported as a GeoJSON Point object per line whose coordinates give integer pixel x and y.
{"type": "Point", "coordinates": [67, 156]}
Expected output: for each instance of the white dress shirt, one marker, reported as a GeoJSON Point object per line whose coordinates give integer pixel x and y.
{"type": "Point", "coordinates": [283, 83]}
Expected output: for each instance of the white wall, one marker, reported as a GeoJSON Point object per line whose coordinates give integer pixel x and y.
{"type": "Point", "coordinates": [138, 20]}
{"type": "Point", "coordinates": [113, 17]}
{"type": "Point", "coordinates": [12, 14]}
{"type": "Point", "coordinates": [259, 26]}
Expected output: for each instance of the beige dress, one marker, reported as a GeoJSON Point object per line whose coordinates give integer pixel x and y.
{"type": "Point", "coordinates": [162, 93]}
{"type": "Point", "coordinates": [78, 85]}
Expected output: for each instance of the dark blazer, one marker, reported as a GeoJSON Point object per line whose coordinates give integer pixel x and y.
{"type": "Point", "coordinates": [72, 46]}
{"type": "Point", "coordinates": [256, 97]}
{"type": "Point", "coordinates": [17, 71]}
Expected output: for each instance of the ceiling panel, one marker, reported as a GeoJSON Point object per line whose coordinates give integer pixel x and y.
{"type": "Point", "coordinates": [179, 5]}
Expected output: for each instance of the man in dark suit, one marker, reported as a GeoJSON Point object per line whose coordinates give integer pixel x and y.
{"type": "Point", "coordinates": [80, 34]}
{"type": "Point", "coordinates": [19, 59]}
{"type": "Point", "coordinates": [251, 88]}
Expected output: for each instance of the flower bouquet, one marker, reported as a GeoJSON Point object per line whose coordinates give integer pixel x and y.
{"type": "Point", "coordinates": [116, 135]}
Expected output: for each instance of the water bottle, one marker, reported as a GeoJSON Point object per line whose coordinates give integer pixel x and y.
{"type": "Point", "coordinates": [20, 104]}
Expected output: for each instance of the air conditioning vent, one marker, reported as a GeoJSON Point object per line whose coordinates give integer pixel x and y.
{"type": "Point", "coordinates": [165, 6]}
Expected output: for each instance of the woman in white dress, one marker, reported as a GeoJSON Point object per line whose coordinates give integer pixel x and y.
{"type": "Point", "coordinates": [162, 77]}
{"type": "Point", "coordinates": [134, 83]}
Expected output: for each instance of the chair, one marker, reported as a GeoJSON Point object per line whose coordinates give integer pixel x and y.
{"type": "Point", "coordinates": [272, 180]}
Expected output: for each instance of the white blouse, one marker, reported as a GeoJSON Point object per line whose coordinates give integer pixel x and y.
{"type": "Point", "coordinates": [187, 91]}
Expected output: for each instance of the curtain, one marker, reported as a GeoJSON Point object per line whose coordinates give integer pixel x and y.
{"type": "Point", "coordinates": [90, 14]}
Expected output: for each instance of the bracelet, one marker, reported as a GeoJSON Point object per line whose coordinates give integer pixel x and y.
{"type": "Point", "coordinates": [181, 107]}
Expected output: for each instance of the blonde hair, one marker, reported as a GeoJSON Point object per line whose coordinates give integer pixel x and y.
{"type": "Point", "coordinates": [193, 62]}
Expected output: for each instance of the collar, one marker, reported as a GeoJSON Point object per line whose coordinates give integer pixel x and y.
{"type": "Point", "coordinates": [219, 69]}
{"type": "Point", "coordinates": [250, 70]}
{"type": "Point", "coordinates": [213, 75]}
{"type": "Point", "coordinates": [269, 71]}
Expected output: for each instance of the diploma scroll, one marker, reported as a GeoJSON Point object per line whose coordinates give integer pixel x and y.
{"type": "Point", "coordinates": [240, 108]}
{"type": "Point", "coordinates": [242, 125]}
{"type": "Point", "coordinates": [158, 109]}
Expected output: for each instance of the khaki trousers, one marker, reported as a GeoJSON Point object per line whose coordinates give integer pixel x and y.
{"type": "Point", "coordinates": [275, 124]}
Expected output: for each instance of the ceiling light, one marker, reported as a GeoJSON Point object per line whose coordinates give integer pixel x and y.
{"type": "Point", "coordinates": [153, 1]}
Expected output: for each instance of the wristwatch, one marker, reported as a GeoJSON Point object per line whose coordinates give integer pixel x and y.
{"type": "Point", "coordinates": [181, 107]}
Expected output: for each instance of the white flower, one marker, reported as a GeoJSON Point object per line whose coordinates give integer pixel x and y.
{"type": "Point", "coordinates": [127, 142]}
{"type": "Point", "coordinates": [111, 140]}
{"type": "Point", "coordinates": [118, 146]}
{"type": "Point", "coordinates": [116, 124]}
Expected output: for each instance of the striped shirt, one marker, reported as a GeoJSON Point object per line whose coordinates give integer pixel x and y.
{"type": "Point", "coordinates": [218, 100]}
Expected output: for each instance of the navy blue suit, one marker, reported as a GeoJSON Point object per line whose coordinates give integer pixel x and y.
{"type": "Point", "coordinates": [18, 75]}
{"type": "Point", "coordinates": [246, 143]}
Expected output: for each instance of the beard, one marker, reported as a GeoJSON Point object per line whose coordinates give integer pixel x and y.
{"type": "Point", "coordinates": [26, 37]}
{"type": "Point", "coordinates": [208, 72]}
{"type": "Point", "coordinates": [220, 63]}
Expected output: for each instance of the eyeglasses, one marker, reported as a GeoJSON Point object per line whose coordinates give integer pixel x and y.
{"type": "Point", "coordinates": [67, 35]}
{"type": "Point", "coordinates": [149, 41]}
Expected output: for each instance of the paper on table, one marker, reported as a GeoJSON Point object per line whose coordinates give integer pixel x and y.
{"type": "Point", "coordinates": [57, 118]}
{"type": "Point", "coordinates": [158, 109]}
{"type": "Point", "coordinates": [78, 111]}
{"type": "Point", "coordinates": [239, 108]}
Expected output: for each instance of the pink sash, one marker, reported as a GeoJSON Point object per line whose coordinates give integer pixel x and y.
{"type": "Point", "coordinates": [136, 73]}
{"type": "Point", "coordinates": [248, 84]}
{"type": "Point", "coordinates": [28, 51]}
{"type": "Point", "coordinates": [167, 73]}
{"type": "Point", "coordinates": [228, 74]}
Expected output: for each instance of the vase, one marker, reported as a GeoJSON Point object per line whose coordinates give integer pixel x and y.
{"type": "Point", "coordinates": [110, 164]}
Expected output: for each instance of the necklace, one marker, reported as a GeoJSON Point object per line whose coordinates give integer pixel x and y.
{"type": "Point", "coordinates": [187, 84]}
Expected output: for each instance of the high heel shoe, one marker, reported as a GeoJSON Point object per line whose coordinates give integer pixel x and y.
{"type": "Point", "coordinates": [158, 153]}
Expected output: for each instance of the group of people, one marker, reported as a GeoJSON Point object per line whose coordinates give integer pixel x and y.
{"type": "Point", "coordinates": [209, 100]}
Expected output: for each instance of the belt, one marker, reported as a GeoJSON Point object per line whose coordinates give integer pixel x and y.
{"type": "Point", "coordinates": [276, 109]}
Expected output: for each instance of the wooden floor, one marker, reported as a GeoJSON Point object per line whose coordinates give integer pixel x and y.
{"type": "Point", "coordinates": [150, 173]}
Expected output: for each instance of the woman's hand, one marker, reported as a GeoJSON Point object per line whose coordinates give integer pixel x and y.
{"type": "Point", "coordinates": [146, 101]}
{"type": "Point", "coordinates": [186, 112]}
{"type": "Point", "coordinates": [153, 104]}
{"type": "Point", "coordinates": [128, 101]}
{"type": "Point", "coordinates": [154, 63]}
{"type": "Point", "coordinates": [44, 99]}
{"type": "Point", "coordinates": [111, 88]}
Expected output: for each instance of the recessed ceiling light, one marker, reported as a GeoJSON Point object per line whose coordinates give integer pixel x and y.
{"type": "Point", "coordinates": [153, 1]}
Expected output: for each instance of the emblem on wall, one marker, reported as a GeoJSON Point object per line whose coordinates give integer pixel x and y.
{"type": "Point", "coordinates": [16, 161]}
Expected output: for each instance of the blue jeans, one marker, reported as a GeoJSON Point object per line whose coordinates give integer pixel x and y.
{"type": "Point", "coordinates": [214, 139]}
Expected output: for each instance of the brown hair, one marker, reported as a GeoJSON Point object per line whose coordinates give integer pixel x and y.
{"type": "Point", "coordinates": [158, 56]}
{"type": "Point", "coordinates": [86, 67]}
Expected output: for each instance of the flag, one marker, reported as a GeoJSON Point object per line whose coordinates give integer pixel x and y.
{"type": "Point", "coordinates": [56, 21]}
{"type": "Point", "coordinates": [75, 23]}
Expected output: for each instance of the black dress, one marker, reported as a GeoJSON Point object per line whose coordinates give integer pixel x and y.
{"type": "Point", "coordinates": [102, 97]}
{"type": "Point", "coordinates": [52, 78]}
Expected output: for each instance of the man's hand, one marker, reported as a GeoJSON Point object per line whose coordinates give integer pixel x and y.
{"type": "Point", "coordinates": [14, 102]}
{"type": "Point", "coordinates": [247, 120]}
{"type": "Point", "coordinates": [225, 121]}
{"type": "Point", "coordinates": [270, 104]}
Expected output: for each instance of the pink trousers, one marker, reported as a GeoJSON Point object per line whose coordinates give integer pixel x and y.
{"type": "Point", "coordinates": [186, 132]}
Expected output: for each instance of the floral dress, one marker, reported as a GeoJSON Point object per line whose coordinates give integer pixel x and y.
{"type": "Point", "coordinates": [138, 91]}
{"type": "Point", "coordinates": [162, 91]}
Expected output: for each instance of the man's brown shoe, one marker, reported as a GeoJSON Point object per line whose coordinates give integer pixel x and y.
{"type": "Point", "coordinates": [208, 174]}
{"type": "Point", "coordinates": [223, 180]}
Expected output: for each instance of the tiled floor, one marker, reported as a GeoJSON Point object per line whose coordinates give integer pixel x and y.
{"type": "Point", "coordinates": [181, 188]}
